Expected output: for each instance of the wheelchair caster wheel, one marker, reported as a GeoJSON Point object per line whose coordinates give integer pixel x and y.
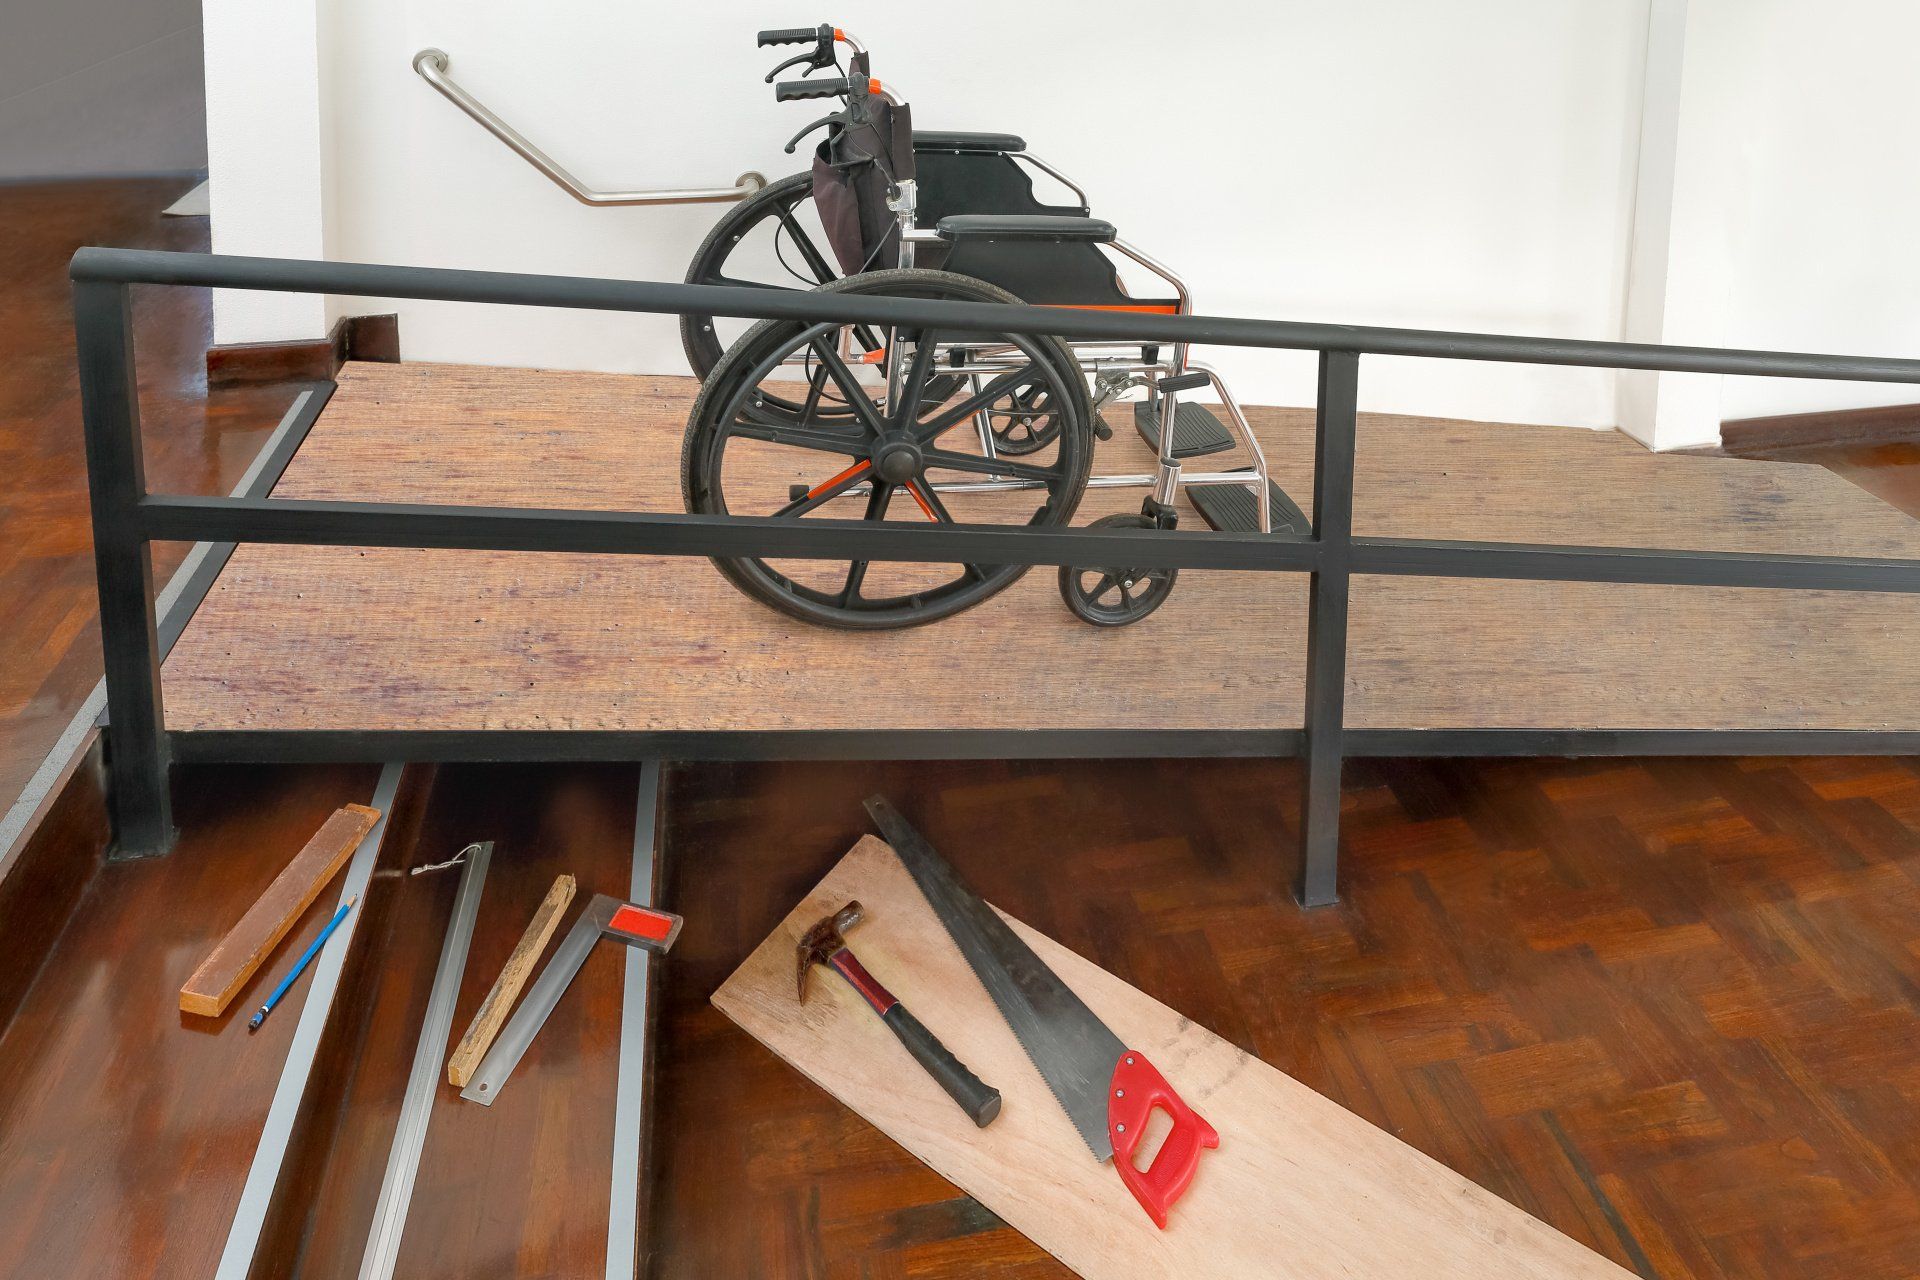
{"type": "Point", "coordinates": [1028, 426]}
{"type": "Point", "coordinates": [1116, 597]}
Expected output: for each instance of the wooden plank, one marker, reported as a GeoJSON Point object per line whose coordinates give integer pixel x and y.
{"type": "Point", "coordinates": [1822, 429]}
{"type": "Point", "coordinates": [246, 945]}
{"type": "Point", "coordinates": [636, 643]}
{"type": "Point", "coordinates": [492, 1014]}
{"type": "Point", "coordinates": [1299, 1186]}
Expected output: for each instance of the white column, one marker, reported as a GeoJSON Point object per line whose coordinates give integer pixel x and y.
{"type": "Point", "coordinates": [265, 157]}
{"type": "Point", "coordinates": [1689, 210]}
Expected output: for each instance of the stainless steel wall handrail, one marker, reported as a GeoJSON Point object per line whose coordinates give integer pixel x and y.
{"type": "Point", "coordinates": [432, 67]}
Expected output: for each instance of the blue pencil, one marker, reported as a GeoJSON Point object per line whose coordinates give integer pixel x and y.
{"type": "Point", "coordinates": [300, 965]}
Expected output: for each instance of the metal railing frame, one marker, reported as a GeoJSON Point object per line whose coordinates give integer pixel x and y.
{"type": "Point", "coordinates": [127, 518]}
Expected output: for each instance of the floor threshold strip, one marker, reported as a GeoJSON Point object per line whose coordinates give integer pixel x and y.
{"type": "Point", "coordinates": [256, 1195]}
{"type": "Point", "coordinates": [416, 1108]}
{"type": "Point", "coordinates": [629, 1106]}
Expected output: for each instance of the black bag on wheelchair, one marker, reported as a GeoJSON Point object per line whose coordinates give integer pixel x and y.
{"type": "Point", "coordinates": [854, 171]}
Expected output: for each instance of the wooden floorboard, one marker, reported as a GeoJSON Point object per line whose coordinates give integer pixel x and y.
{"type": "Point", "coordinates": [126, 1126]}
{"type": "Point", "coordinates": [372, 639]}
{"type": "Point", "coordinates": [195, 442]}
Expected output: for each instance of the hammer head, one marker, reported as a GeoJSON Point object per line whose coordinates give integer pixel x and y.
{"type": "Point", "coordinates": [823, 940]}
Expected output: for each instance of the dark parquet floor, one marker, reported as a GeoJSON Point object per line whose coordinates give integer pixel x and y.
{"type": "Point", "coordinates": [196, 442]}
{"type": "Point", "coordinates": [1671, 1007]}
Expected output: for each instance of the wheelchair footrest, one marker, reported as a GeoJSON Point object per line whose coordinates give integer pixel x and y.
{"type": "Point", "coordinates": [1231, 508]}
{"type": "Point", "coordinates": [1196, 432]}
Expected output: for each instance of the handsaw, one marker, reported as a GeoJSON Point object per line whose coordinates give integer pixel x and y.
{"type": "Point", "coordinates": [1106, 1089]}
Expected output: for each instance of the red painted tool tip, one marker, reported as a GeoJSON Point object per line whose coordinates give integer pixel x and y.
{"type": "Point", "coordinates": [655, 930]}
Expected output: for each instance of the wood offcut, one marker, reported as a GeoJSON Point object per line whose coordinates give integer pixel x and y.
{"type": "Point", "coordinates": [227, 968]}
{"type": "Point", "coordinates": [1298, 1186]}
{"type": "Point", "coordinates": [493, 1011]}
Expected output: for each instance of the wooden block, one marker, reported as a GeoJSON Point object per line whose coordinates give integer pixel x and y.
{"type": "Point", "coordinates": [493, 1010]}
{"type": "Point", "coordinates": [1299, 1186]}
{"type": "Point", "coordinates": [227, 968]}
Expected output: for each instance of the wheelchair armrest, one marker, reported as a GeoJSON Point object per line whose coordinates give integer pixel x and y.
{"type": "Point", "coordinates": [1024, 226]}
{"type": "Point", "coordinates": [942, 140]}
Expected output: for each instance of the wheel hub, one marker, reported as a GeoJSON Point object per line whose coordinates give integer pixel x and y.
{"type": "Point", "coordinates": [897, 461]}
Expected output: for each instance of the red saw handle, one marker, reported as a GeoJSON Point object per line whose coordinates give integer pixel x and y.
{"type": "Point", "coordinates": [1138, 1087]}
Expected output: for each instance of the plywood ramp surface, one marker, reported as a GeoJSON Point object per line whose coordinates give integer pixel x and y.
{"type": "Point", "coordinates": [1299, 1186]}
{"type": "Point", "coordinates": [372, 639]}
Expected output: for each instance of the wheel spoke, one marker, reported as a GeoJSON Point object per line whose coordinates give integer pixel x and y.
{"type": "Point", "coordinates": [953, 417]}
{"type": "Point", "coordinates": [816, 384]}
{"type": "Point", "coordinates": [916, 382]}
{"type": "Point", "coordinates": [849, 386]}
{"type": "Point", "coordinates": [821, 441]}
{"type": "Point", "coordinates": [809, 254]}
{"type": "Point", "coordinates": [1001, 467]}
{"type": "Point", "coordinates": [1107, 583]}
{"type": "Point", "coordinates": [856, 574]}
{"type": "Point", "coordinates": [935, 508]}
{"type": "Point", "coordinates": [822, 494]}
{"type": "Point", "coordinates": [877, 499]}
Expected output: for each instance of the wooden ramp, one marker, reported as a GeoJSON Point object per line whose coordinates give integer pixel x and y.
{"type": "Point", "coordinates": [1299, 1186]}
{"type": "Point", "coordinates": [316, 638]}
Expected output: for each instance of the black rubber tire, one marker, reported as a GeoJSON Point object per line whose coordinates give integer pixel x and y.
{"type": "Point", "coordinates": [697, 337]}
{"type": "Point", "coordinates": [1091, 611]}
{"type": "Point", "coordinates": [753, 577]}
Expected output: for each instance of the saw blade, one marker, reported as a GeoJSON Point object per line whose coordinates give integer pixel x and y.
{"type": "Point", "coordinates": [1072, 1049]}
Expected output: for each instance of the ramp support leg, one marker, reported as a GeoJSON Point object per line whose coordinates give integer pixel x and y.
{"type": "Point", "coordinates": [1317, 884]}
{"type": "Point", "coordinates": [136, 744]}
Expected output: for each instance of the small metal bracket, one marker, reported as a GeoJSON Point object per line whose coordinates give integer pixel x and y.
{"type": "Point", "coordinates": [431, 64]}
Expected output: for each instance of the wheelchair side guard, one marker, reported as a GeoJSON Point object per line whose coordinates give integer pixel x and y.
{"type": "Point", "coordinates": [1048, 272]}
{"type": "Point", "coordinates": [974, 182]}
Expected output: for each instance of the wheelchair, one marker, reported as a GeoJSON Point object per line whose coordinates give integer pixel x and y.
{"type": "Point", "coordinates": [796, 419]}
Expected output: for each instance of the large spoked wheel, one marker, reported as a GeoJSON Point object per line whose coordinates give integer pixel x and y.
{"type": "Point", "coordinates": [854, 448]}
{"type": "Point", "coordinates": [774, 239]}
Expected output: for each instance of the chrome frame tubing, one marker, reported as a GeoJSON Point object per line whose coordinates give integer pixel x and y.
{"type": "Point", "coordinates": [1054, 173]}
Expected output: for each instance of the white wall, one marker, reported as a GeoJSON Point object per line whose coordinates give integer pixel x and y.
{"type": "Point", "coordinates": [1495, 165]}
{"type": "Point", "coordinates": [90, 87]}
{"type": "Point", "coordinates": [1466, 165]}
{"type": "Point", "coordinates": [1827, 258]}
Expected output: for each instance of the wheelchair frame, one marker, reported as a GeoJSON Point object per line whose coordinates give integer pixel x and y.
{"type": "Point", "coordinates": [1106, 363]}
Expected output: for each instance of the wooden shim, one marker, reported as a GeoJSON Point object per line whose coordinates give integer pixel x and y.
{"type": "Point", "coordinates": [229, 965]}
{"type": "Point", "coordinates": [493, 1010]}
{"type": "Point", "coordinates": [1299, 1186]}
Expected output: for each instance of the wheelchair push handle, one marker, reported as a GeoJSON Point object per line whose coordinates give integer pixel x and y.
{"type": "Point", "coordinates": [822, 34]}
{"type": "Point", "coordinates": [794, 90]}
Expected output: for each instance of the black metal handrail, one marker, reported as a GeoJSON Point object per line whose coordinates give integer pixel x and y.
{"type": "Point", "coordinates": [127, 518]}
{"type": "Point", "coordinates": [441, 284]}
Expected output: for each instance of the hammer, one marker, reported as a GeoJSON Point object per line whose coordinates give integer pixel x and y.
{"type": "Point", "coordinates": [824, 944]}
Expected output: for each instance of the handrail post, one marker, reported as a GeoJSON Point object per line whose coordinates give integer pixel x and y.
{"type": "Point", "coordinates": [137, 751]}
{"type": "Point", "coordinates": [1334, 434]}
